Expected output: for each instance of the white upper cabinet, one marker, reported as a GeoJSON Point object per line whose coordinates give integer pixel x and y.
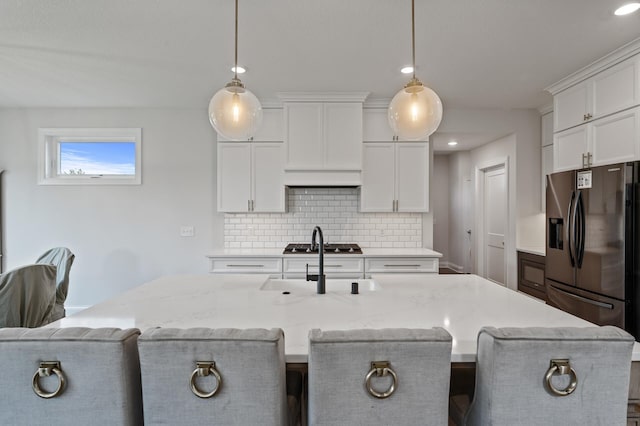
{"type": "Point", "coordinates": [376, 125]}
{"type": "Point", "coordinates": [323, 135]}
{"type": "Point", "coordinates": [612, 90]}
{"type": "Point", "coordinates": [271, 129]}
{"type": "Point", "coordinates": [376, 128]}
{"type": "Point", "coordinates": [612, 139]}
{"type": "Point", "coordinates": [395, 177]}
{"type": "Point", "coordinates": [251, 177]}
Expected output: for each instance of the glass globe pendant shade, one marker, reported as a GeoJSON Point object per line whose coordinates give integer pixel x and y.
{"type": "Point", "coordinates": [415, 112]}
{"type": "Point", "coordinates": [234, 112]}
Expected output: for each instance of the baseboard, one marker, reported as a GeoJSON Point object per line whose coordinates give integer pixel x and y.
{"type": "Point", "coordinates": [459, 269]}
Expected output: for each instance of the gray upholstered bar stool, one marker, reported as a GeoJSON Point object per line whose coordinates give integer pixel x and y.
{"type": "Point", "coordinates": [70, 376]}
{"type": "Point", "coordinates": [551, 376]}
{"type": "Point", "coordinates": [203, 376]}
{"type": "Point", "coordinates": [379, 377]}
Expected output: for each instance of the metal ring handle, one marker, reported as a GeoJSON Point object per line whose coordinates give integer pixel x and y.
{"type": "Point", "coordinates": [561, 366]}
{"type": "Point", "coordinates": [381, 368]}
{"type": "Point", "coordinates": [45, 370]}
{"type": "Point", "coordinates": [204, 369]}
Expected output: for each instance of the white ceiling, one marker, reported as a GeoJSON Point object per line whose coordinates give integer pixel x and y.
{"type": "Point", "coordinates": [169, 53]}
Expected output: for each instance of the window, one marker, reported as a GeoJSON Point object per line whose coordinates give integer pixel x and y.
{"type": "Point", "coordinates": [89, 156]}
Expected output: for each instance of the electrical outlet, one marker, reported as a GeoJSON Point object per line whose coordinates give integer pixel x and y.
{"type": "Point", "coordinates": [187, 231]}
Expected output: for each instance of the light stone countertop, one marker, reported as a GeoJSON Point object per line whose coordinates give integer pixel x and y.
{"type": "Point", "coordinates": [368, 252]}
{"type": "Point", "coordinates": [462, 304]}
{"type": "Point", "coordinates": [540, 251]}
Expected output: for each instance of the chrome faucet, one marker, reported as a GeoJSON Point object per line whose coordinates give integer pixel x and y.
{"type": "Point", "coordinates": [320, 278]}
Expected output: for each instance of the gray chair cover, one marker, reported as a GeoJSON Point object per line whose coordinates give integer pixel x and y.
{"type": "Point", "coordinates": [510, 376]}
{"type": "Point", "coordinates": [100, 366]}
{"type": "Point", "coordinates": [63, 259]}
{"type": "Point", "coordinates": [251, 365]}
{"type": "Point", "coordinates": [27, 296]}
{"type": "Point", "coordinates": [340, 360]}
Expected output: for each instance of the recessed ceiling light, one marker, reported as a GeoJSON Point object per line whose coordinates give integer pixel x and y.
{"type": "Point", "coordinates": [240, 70]}
{"type": "Point", "coordinates": [453, 143]}
{"type": "Point", "coordinates": [627, 9]}
{"type": "Point", "coordinates": [406, 70]}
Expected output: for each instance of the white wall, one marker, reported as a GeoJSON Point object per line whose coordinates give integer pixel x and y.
{"type": "Point", "coordinates": [440, 192]}
{"type": "Point", "coordinates": [460, 212]}
{"type": "Point", "coordinates": [122, 236]}
{"type": "Point", "coordinates": [522, 145]}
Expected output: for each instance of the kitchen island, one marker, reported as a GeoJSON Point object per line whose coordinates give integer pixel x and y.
{"type": "Point", "coordinates": [462, 304]}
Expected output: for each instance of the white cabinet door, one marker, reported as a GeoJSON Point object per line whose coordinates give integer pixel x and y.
{"type": "Point", "coordinates": [377, 193]}
{"type": "Point", "coordinates": [343, 135]}
{"type": "Point", "coordinates": [571, 106]}
{"type": "Point", "coordinates": [616, 138]}
{"type": "Point", "coordinates": [234, 176]}
{"type": "Point", "coordinates": [615, 89]}
{"type": "Point", "coordinates": [268, 178]}
{"type": "Point", "coordinates": [271, 129]}
{"type": "Point", "coordinates": [412, 177]}
{"type": "Point", "coordinates": [568, 148]}
{"type": "Point", "coordinates": [375, 125]}
{"type": "Point", "coordinates": [304, 135]}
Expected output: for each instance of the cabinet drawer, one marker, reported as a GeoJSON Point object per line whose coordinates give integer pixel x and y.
{"type": "Point", "coordinates": [333, 266]}
{"type": "Point", "coordinates": [401, 265]}
{"type": "Point", "coordinates": [246, 265]}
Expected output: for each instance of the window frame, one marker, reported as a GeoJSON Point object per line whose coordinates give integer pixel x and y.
{"type": "Point", "coordinates": [49, 155]}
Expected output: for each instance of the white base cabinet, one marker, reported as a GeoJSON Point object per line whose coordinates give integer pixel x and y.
{"type": "Point", "coordinates": [271, 266]}
{"type": "Point", "coordinates": [334, 267]}
{"type": "Point", "coordinates": [251, 177]}
{"type": "Point", "coordinates": [395, 177]}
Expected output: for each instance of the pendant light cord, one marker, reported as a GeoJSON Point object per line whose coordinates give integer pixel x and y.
{"type": "Point", "coordinates": [235, 68]}
{"type": "Point", "coordinates": [413, 37]}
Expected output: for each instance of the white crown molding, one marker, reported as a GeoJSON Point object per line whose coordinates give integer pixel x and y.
{"type": "Point", "coordinates": [545, 109]}
{"type": "Point", "coordinates": [628, 50]}
{"type": "Point", "coordinates": [323, 96]}
{"type": "Point", "coordinates": [377, 103]}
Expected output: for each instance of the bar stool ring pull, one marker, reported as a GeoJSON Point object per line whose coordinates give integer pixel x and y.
{"type": "Point", "coordinates": [204, 368]}
{"type": "Point", "coordinates": [45, 370]}
{"type": "Point", "coordinates": [560, 367]}
{"type": "Point", "coordinates": [381, 369]}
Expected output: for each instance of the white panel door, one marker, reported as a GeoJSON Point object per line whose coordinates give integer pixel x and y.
{"type": "Point", "coordinates": [378, 180]}
{"type": "Point", "coordinates": [268, 177]}
{"type": "Point", "coordinates": [616, 138]}
{"type": "Point", "coordinates": [412, 176]}
{"type": "Point", "coordinates": [570, 106]}
{"type": "Point", "coordinates": [568, 147]}
{"type": "Point", "coordinates": [343, 135]}
{"type": "Point", "coordinates": [234, 176]}
{"type": "Point", "coordinates": [303, 135]}
{"type": "Point", "coordinates": [495, 214]}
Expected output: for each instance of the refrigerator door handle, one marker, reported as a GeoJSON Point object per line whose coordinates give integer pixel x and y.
{"type": "Point", "coordinates": [584, 299]}
{"type": "Point", "coordinates": [570, 229]}
{"type": "Point", "coordinates": [581, 232]}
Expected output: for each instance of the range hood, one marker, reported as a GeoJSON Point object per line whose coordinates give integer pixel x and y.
{"type": "Point", "coordinates": [323, 138]}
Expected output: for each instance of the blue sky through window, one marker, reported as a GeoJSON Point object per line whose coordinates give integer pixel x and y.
{"type": "Point", "coordinates": [98, 158]}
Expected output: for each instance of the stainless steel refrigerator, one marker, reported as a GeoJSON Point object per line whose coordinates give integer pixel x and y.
{"type": "Point", "coordinates": [593, 231]}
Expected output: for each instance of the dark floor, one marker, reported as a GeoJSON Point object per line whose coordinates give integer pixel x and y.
{"type": "Point", "coordinates": [447, 271]}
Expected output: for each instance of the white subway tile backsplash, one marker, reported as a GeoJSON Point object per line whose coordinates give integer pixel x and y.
{"type": "Point", "coordinates": [335, 210]}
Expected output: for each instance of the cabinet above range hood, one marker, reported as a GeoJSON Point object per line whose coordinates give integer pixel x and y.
{"type": "Point", "coordinates": [323, 138]}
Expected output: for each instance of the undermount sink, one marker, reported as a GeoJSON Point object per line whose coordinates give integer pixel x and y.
{"type": "Point", "coordinates": [339, 285]}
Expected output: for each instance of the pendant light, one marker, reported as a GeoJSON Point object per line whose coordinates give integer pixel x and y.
{"type": "Point", "coordinates": [235, 112]}
{"type": "Point", "coordinates": [415, 111]}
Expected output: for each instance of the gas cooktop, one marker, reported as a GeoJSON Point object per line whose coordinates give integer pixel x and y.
{"type": "Point", "coordinates": [328, 248]}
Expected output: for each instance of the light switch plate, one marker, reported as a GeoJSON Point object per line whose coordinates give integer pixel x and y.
{"type": "Point", "coordinates": [187, 231]}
